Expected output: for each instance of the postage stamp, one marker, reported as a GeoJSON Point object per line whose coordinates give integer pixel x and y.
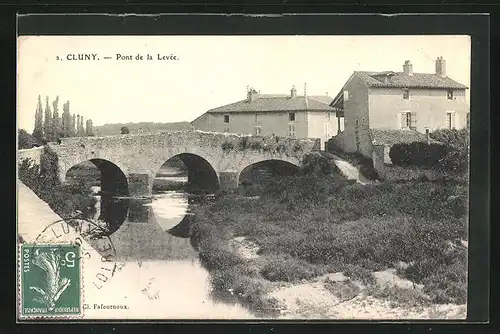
{"type": "Point", "coordinates": [50, 280]}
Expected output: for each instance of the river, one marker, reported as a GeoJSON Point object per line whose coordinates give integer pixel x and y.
{"type": "Point", "coordinates": [154, 234]}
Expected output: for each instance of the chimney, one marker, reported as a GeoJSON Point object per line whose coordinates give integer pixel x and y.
{"type": "Point", "coordinates": [293, 92]}
{"type": "Point", "coordinates": [408, 68]}
{"type": "Point", "coordinates": [252, 94]}
{"type": "Point", "coordinates": [305, 88]}
{"type": "Point", "coordinates": [441, 67]}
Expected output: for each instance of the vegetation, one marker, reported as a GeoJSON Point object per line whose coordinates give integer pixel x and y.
{"type": "Point", "coordinates": [418, 154]}
{"type": "Point", "coordinates": [319, 222]}
{"type": "Point", "coordinates": [65, 200]}
{"type": "Point", "coordinates": [457, 159]}
{"type": "Point", "coordinates": [25, 140]}
{"type": "Point", "coordinates": [52, 127]}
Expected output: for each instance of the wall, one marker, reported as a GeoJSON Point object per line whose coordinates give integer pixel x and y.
{"type": "Point", "coordinates": [316, 121]}
{"type": "Point", "coordinates": [356, 108]}
{"type": "Point", "coordinates": [34, 154]}
{"type": "Point", "coordinates": [430, 106]}
{"type": "Point", "coordinates": [271, 123]}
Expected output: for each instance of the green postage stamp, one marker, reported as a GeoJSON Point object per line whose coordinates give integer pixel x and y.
{"type": "Point", "coordinates": [50, 280]}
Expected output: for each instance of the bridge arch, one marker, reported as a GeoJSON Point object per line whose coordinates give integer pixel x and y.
{"type": "Point", "coordinates": [113, 179]}
{"type": "Point", "coordinates": [201, 173]}
{"type": "Point", "coordinates": [260, 170]}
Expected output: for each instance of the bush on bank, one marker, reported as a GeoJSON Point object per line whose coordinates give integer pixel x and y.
{"type": "Point", "coordinates": [65, 200]}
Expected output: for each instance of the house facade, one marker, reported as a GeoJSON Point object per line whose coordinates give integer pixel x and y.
{"type": "Point", "coordinates": [380, 105]}
{"type": "Point", "coordinates": [279, 115]}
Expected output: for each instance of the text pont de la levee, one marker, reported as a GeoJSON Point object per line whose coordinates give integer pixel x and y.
{"type": "Point", "coordinates": [118, 56]}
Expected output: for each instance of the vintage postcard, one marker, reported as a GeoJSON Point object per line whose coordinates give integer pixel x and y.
{"type": "Point", "coordinates": [243, 177]}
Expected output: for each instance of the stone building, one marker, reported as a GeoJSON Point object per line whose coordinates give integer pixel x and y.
{"type": "Point", "coordinates": [300, 116]}
{"type": "Point", "coordinates": [405, 105]}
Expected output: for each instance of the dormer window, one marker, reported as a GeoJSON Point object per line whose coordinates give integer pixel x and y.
{"type": "Point", "coordinates": [406, 94]}
{"type": "Point", "coordinates": [449, 94]}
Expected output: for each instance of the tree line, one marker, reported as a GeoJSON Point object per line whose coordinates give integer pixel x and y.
{"type": "Point", "coordinates": [49, 126]}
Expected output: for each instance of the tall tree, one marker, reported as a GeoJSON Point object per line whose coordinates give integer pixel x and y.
{"type": "Point", "coordinates": [38, 129]}
{"type": "Point", "coordinates": [66, 120]}
{"type": "Point", "coordinates": [47, 125]}
{"type": "Point", "coordinates": [73, 126]}
{"type": "Point", "coordinates": [56, 119]}
{"type": "Point", "coordinates": [78, 133]}
{"type": "Point", "coordinates": [82, 128]}
{"type": "Point", "coordinates": [89, 131]}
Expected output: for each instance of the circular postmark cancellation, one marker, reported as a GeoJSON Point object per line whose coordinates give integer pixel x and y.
{"type": "Point", "coordinates": [51, 266]}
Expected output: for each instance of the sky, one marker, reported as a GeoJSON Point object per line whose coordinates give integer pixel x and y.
{"type": "Point", "coordinates": [210, 71]}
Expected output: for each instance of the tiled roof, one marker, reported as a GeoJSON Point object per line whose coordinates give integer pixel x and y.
{"type": "Point", "coordinates": [402, 80]}
{"type": "Point", "coordinates": [268, 103]}
{"type": "Point", "coordinates": [391, 137]}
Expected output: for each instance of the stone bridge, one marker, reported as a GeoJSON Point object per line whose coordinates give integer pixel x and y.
{"type": "Point", "coordinates": [129, 163]}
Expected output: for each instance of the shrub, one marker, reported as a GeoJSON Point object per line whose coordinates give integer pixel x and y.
{"type": "Point", "coordinates": [25, 140]}
{"type": "Point", "coordinates": [316, 163]}
{"type": "Point", "coordinates": [417, 154]}
{"type": "Point", "coordinates": [256, 145]}
{"type": "Point", "coordinates": [458, 139]}
{"type": "Point", "coordinates": [63, 199]}
{"type": "Point", "coordinates": [243, 143]}
{"type": "Point", "coordinates": [227, 146]}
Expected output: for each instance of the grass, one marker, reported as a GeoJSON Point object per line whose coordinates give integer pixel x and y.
{"type": "Point", "coordinates": [309, 225]}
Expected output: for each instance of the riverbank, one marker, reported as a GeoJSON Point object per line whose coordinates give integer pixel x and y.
{"type": "Point", "coordinates": [398, 247]}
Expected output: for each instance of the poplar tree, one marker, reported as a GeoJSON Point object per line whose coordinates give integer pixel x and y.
{"type": "Point", "coordinates": [47, 125]}
{"type": "Point", "coordinates": [56, 120]}
{"type": "Point", "coordinates": [73, 126]}
{"type": "Point", "coordinates": [89, 131]}
{"type": "Point", "coordinates": [66, 120]}
{"type": "Point", "coordinates": [82, 129]}
{"type": "Point", "coordinates": [38, 129]}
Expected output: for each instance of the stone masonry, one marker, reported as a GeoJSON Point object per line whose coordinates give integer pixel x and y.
{"type": "Point", "coordinates": [139, 156]}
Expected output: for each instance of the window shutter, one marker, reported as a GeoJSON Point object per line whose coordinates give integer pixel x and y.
{"type": "Point", "coordinates": [456, 121]}
{"type": "Point", "coordinates": [400, 121]}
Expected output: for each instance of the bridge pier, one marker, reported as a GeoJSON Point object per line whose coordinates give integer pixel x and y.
{"type": "Point", "coordinates": [139, 185]}
{"type": "Point", "coordinates": [228, 180]}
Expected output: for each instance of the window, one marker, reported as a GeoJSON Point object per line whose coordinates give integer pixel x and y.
{"type": "Point", "coordinates": [450, 95]}
{"type": "Point", "coordinates": [226, 118]}
{"type": "Point", "coordinates": [450, 124]}
{"type": "Point", "coordinates": [257, 130]}
{"type": "Point", "coordinates": [346, 95]}
{"type": "Point", "coordinates": [291, 130]}
{"type": "Point", "coordinates": [291, 117]}
{"type": "Point", "coordinates": [409, 120]}
{"type": "Point", "coordinates": [226, 130]}
{"type": "Point", "coordinates": [256, 118]}
{"type": "Point", "coordinates": [406, 94]}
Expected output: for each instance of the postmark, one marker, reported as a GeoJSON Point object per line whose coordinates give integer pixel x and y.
{"type": "Point", "coordinates": [67, 259]}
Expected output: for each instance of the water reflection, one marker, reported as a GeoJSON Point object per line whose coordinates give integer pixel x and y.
{"type": "Point", "coordinates": [156, 231]}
